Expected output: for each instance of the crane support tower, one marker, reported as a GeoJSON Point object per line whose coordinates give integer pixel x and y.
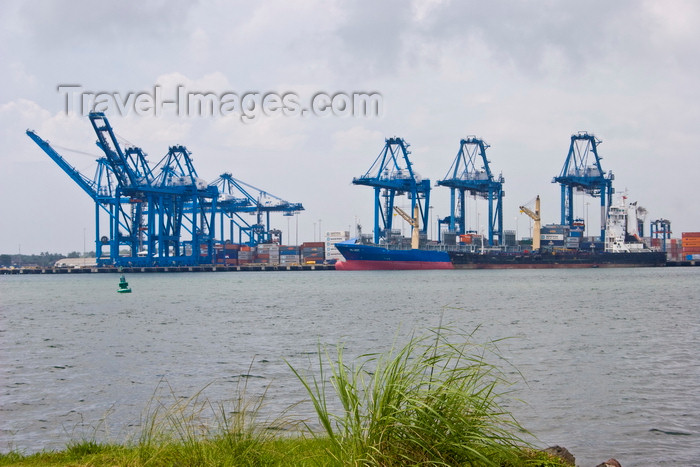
{"type": "Point", "coordinates": [582, 172]}
{"type": "Point", "coordinates": [390, 175]}
{"type": "Point", "coordinates": [470, 172]}
{"type": "Point", "coordinates": [163, 215]}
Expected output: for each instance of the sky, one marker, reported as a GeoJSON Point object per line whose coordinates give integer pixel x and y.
{"type": "Point", "coordinates": [521, 75]}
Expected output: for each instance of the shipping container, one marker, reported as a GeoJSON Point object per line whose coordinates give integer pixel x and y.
{"type": "Point", "coordinates": [466, 239]}
{"type": "Point", "coordinates": [312, 245]}
{"type": "Point", "coordinates": [555, 229]}
{"type": "Point", "coordinates": [551, 237]}
{"type": "Point", "coordinates": [337, 233]}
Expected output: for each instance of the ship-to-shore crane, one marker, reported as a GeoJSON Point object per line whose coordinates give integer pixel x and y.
{"type": "Point", "coordinates": [390, 175]}
{"type": "Point", "coordinates": [582, 171]}
{"type": "Point", "coordinates": [535, 216]}
{"type": "Point", "coordinates": [470, 172]}
{"type": "Point", "coordinates": [661, 230]}
{"type": "Point", "coordinates": [161, 215]}
{"type": "Point", "coordinates": [237, 198]}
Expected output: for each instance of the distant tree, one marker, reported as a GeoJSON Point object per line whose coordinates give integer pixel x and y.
{"type": "Point", "coordinates": [73, 254]}
{"type": "Point", "coordinates": [5, 260]}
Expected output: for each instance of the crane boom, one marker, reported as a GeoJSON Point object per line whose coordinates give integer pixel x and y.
{"type": "Point", "coordinates": [535, 216]}
{"type": "Point", "coordinates": [83, 182]}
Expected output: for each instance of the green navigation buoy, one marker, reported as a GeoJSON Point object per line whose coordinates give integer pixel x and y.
{"type": "Point", "coordinates": [123, 285]}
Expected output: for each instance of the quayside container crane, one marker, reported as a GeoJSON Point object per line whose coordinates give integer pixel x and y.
{"type": "Point", "coordinates": [165, 214]}
{"type": "Point", "coordinates": [237, 198]}
{"type": "Point", "coordinates": [582, 172]}
{"type": "Point", "coordinates": [661, 230]}
{"type": "Point", "coordinates": [390, 175]}
{"type": "Point", "coordinates": [470, 172]}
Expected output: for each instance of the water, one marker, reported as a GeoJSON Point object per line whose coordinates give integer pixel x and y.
{"type": "Point", "coordinates": [608, 356]}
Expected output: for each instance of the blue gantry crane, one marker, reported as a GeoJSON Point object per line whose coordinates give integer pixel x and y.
{"type": "Point", "coordinates": [237, 198]}
{"type": "Point", "coordinates": [390, 175]}
{"type": "Point", "coordinates": [470, 172]}
{"type": "Point", "coordinates": [163, 215]}
{"type": "Point", "coordinates": [582, 172]}
{"type": "Point", "coordinates": [661, 230]}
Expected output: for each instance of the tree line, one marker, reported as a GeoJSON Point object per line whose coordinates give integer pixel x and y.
{"type": "Point", "coordinates": [44, 259]}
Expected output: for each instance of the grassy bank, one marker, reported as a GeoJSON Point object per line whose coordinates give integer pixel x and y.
{"type": "Point", "coordinates": [434, 401]}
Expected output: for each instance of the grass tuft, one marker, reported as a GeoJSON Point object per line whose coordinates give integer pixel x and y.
{"type": "Point", "coordinates": [434, 401]}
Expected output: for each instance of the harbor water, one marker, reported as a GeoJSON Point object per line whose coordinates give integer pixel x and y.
{"type": "Point", "coordinates": [607, 359]}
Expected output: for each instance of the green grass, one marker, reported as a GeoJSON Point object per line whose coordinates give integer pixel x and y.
{"type": "Point", "coordinates": [435, 401]}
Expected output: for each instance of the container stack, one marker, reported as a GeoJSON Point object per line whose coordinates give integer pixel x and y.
{"type": "Point", "coordinates": [691, 245]}
{"type": "Point", "coordinates": [509, 238]}
{"type": "Point", "coordinates": [289, 255]}
{"type": "Point", "coordinates": [675, 250]}
{"type": "Point", "coordinates": [333, 237]}
{"type": "Point", "coordinates": [246, 254]}
{"type": "Point", "coordinates": [312, 252]}
{"type": "Point", "coordinates": [268, 253]}
{"type": "Point", "coordinates": [226, 253]}
{"type": "Point", "coordinates": [554, 236]}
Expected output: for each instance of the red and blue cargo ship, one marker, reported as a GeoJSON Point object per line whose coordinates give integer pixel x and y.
{"type": "Point", "coordinates": [360, 257]}
{"type": "Point", "coordinates": [363, 257]}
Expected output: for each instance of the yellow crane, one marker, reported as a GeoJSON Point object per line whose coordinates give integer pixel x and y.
{"type": "Point", "coordinates": [535, 216]}
{"type": "Point", "coordinates": [414, 222]}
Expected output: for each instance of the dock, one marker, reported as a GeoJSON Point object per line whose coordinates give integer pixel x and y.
{"type": "Point", "coordinates": [199, 268]}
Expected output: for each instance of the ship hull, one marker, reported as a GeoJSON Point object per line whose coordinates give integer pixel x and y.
{"type": "Point", "coordinates": [463, 260]}
{"type": "Point", "coordinates": [371, 257]}
{"type": "Point", "coordinates": [374, 258]}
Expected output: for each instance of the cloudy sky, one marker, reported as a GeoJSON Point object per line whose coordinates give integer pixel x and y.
{"type": "Point", "coordinates": [522, 75]}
